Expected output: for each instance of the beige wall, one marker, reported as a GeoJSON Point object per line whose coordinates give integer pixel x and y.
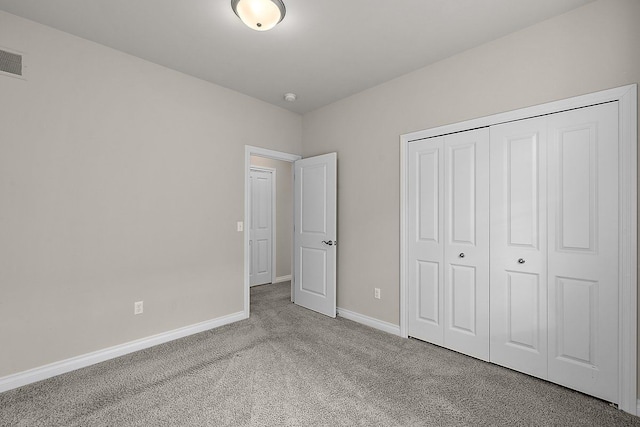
{"type": "Point", "coordinates": [589, 49]}
{"type": "Point", "coordinates": [120, 181]}
{"type": "Point", "coordinates": [284, 212]}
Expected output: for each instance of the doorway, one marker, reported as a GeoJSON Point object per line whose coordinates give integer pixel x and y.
{"type": "Point", "coordinates": [256, 157]}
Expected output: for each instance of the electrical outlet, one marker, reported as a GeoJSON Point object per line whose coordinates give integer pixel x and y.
{"type": "Point", "coordinates": [138, 307]}
{"type": "Point", "coordinates": [376, 293]}
{"type": "Point", "coordinates": [240, 226]}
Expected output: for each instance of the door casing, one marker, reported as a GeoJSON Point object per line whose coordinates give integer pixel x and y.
{"type": "Point", "coordinates": [628, 226]}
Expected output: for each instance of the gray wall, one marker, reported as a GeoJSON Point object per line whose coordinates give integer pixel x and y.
{"type": "Point", "coordinates": [284, 212]}
{"type": "Point", "coordinates": [589, 49]}
{"type": "Point", "coordinates": [120, 181]}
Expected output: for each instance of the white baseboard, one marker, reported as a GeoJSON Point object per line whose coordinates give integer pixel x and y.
{"type": "Point", "coordinates": [51, 370]}
{"type": "Point", "coordinates": [282, 279]}
{"type": "Point", "coordinates": [369, 321]}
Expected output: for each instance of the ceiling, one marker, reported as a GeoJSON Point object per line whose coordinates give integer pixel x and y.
{"type": "Point", "coordinates": [323, 50]}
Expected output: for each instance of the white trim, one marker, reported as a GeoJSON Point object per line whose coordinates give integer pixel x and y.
{"type": "Point", "coordinates": [628, 270]}
{"type": "Point", "coordinates": [271, 154]}
{"type": "Point", "coordinates": [404, 314]}
{"type": "Point", "coordinates": [57, 368]}
{"type": "Point", "coordinates": [369, 321]}
{"type": "Point", "coordinates": [608, 95]}
{"type": "Point", "coordinates": [638, 407]}
{"type": "Point", "coordinates": [282, 279]}
{"type": "Point", "coordinates": [274, 178]}
{"type": "Point", "coordinates": [628, 303]}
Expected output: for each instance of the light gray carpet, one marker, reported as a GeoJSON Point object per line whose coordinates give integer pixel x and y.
{"type": "Point", "coordinates": [287, 366]}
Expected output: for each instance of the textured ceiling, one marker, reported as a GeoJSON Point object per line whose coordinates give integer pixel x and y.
{"type": "Point", "coordinates": [323, 50]}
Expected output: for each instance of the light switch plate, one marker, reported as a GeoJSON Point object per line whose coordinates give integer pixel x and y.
{"type": "Point", "coordinates": [138, 307]}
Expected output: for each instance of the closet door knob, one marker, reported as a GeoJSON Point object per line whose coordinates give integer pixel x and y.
{"type": "Point", "coordinates": [520, 261]}
{"type": "Point", "coordinates": [461, 255]}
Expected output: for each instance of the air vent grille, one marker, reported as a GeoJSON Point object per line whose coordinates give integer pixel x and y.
{"type": "Point", "coordinates": [10, 63]}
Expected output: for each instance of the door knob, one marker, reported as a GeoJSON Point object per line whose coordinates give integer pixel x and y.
{"type": "Point", "coordinates": [330, 242]}
{"type": "Point", "coordinates": [520, 261]}
{"type": "Point", "coordinates": [461, 255]}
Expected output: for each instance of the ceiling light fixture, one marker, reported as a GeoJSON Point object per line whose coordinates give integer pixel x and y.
{"type": "Point", "coordinates": [290, 97]}
{"type": "Point", "coordinates": [259, 15]}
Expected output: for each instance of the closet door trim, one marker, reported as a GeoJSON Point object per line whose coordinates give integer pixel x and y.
{"type": "Point", "coordinates": [628, 114]}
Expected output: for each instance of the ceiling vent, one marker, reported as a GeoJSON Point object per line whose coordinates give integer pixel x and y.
{"type": "Point", "coordinates": [11, 63]}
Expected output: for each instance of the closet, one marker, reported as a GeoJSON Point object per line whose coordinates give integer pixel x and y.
{"type": "Point", "coordinates": [512, 244]}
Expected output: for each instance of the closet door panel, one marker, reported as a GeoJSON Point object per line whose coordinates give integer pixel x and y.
{"type": "Point", "coordinates": [426, 240]}
{"type": "Point", "coordinates": [466, 224]}
{"type": "Point", "coordinates": [583, 250]}
{"type": "Point", "coordinates": [518, 289]}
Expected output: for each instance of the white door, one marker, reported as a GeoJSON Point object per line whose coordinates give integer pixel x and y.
{"type": "Point", "coordinates": [466, 249]}
{"type": "Point", "coordinates": [260, 226]}
{"type": "Point", "coordinates": [449, 241]}
{"type": "Point", "coordinates": [315, 233]}
{"type": "Point", "coordinates": [426, 240]}
{"type": "Point", "coordinates": [518, 290]}
{"type": "Point", "coordinates": [583, 250]}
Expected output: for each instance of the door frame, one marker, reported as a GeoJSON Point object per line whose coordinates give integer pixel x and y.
{"type": "Point", "coordinates": [628, 215]}
{"type": "Point", "coordinates": [249, 151]}
{"type": "Point", "coordinates": [273, 173]}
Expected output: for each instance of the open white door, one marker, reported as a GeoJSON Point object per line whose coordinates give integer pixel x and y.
{"type": "Point", "coordinates": [315, 203]}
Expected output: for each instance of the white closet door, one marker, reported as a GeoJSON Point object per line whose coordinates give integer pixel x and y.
{"type": "Point", "coordinates": [583, 250]}
{"type": "Point", "coordinates": [426, 240]}
{"type": "Point", "coordinates": [518, 290]}
{"type": "Point", "coordinates": [466, 259]}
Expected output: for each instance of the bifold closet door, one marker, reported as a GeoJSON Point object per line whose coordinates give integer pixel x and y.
{"type": "Point", "coordinates": [426, 240]}
{"type": "Point", "coordinates": [554, 248]}
{"type": "Point", "coordinates": [583, 249]}
{"type": "Point", "coordinates": [519, 246]}
{"type": "Point", "coordinates": [449, 241]}
{"type": "Point", "coordinates": [466, 254]}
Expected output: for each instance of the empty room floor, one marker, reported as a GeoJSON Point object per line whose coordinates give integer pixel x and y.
{"type": "Point", "coordinates": [288, 366]}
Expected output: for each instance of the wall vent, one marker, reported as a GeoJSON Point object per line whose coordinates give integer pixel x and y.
{"type": "Point", "coordinates": [11, 63]}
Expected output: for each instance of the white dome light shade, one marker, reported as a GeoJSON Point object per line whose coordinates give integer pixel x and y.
{"type": "Point", "coordinates": [259, 15]}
